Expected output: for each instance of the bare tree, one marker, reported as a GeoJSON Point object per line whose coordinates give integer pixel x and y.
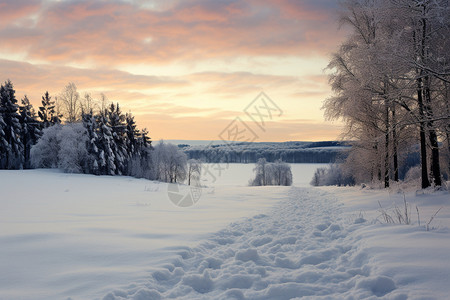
{"type": "Point", "coordinates": [71, 103]}
{"type": "Point", "coordinates": [194, 169]}
{"type": "Point", "coordinates": [89, 104]}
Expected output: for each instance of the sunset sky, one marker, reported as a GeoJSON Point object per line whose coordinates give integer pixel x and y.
{"type": "Point", "coordinates": [185, 69]}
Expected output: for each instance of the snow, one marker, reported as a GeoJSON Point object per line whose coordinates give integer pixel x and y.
{"type": "Point", "coordinates": [100, 237]}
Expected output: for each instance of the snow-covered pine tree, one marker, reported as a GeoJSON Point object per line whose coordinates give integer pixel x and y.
{"type": "Point", "coordinates": [116, 121]}
{"type": "Point", "coordinates": [92, 163]}
{"type": "Point", "coordinates": [30, 129]}
{"type": "Point", "coordinates": [131, 135]}
{"type": "Point", "coordinates": [11, 146]}
{"type": "Point", "coordinates": [106, 160]}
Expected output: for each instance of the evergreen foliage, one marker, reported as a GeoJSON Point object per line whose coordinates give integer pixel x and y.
{"type": "Point", "coordinates": [30, 129]}
{"type": "Point", "coordinates": [11, 145]}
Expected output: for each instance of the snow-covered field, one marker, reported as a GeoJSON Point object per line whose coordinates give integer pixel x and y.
{"type": "Point", "coordinates": [86, 237]}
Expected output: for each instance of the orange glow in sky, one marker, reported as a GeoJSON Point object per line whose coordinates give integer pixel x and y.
{"type": "Point", "coordinates": [185, 69]}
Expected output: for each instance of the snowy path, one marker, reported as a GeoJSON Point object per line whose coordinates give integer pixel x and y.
{"type": "Point", "coordinates": [303, 248]}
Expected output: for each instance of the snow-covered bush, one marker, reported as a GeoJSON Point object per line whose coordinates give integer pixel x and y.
{"type": "Point", "coordinates": [61, 147]}
{"type": "Point", "coordinates": [45, 153]}
{"type": "Point", "coordinates": [277, 173]}
{"type": "Point", "coordinates": [169, 163]}
{"type": "Point", "coordinates": [333, 175]}
{"type": "Point", "coordinates": [413, 175]}
{"type": "Point", "coordinates": [72, 153]}
{"type": "Point", "coordinates": [140, 166]}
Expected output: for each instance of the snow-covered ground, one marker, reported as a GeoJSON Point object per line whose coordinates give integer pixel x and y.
{"type": "Point", "coordinates": [87, 237]}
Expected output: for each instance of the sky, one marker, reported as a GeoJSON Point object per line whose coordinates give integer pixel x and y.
{"type": "Point", "coordinates": [186, 69]}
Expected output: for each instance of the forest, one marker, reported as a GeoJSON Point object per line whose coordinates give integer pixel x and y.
{"type": "Point", "coordinates": [289, 152]}
{"type": "Point", "coordinates": [391, 84]}
{"type": "Point", "coordinates": [95, 138]}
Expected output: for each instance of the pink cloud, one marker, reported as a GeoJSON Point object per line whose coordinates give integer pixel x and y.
{"type": "Point", "coordinates": [12, 11]}
{"type": "Point", "coordinates": [114, 33]}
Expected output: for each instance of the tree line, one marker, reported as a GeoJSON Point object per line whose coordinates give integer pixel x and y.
{"type": "Point", "coordinates": [79, 135]}
{"type": "Point", "coordinates": [290, 152]}
{"type": "Point", "coordinates": [391, 83]}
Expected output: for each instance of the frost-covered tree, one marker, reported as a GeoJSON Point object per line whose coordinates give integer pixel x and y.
{"type": "Point", "coordinates": [169, 162]}
{"type": "Point", "coordinates": [70, 103]}
{"type": "Point", "coordinates": [194, 169]}
{"type": "Point", "coordinates": [11, 146]}
{"type": "Point", "coordinates": [333, 175]}
{"type": "Point", "coordinates": [63, 147]}
{"type": "Point", "coordinates": [384, 79]}
{"type": "Point", "coordinates": [30, 129]}
{"type": "Point", "coordinates": [88, 104]}
{"type": "Point", "coordinates": [44, 154]}
{"type": "Point", "coordinates": [261, 176]}
{"type": "Point", "coordinates": [276, 173]}
{"type": "Point", "coordinates": [72, 153]}
{"type": "Point", "coordinates": [280, 173]}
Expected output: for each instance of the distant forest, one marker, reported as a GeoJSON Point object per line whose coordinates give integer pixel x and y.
{"type": "Point", "coordinates": [290, 152]}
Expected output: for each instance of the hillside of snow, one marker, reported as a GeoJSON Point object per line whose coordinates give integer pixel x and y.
{"type": "Point", "coordinates": [99, 237]}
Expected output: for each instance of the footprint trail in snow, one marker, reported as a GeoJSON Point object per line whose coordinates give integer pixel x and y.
{"type": "Point", "coordinates": [302, 248]}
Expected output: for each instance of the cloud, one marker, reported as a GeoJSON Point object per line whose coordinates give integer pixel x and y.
{"type": "Point", "coordinates": [29, 77]}
{"type": "Point", "coordinates": [12, 11]}
{"type": "Point", "coordinates": [113, 33]}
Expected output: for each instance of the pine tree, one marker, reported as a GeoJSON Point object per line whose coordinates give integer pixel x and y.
{"type": "Point", "coordinates": [92, 163]}
{"type": "Point", "coordinates": [116, 121]}
{"type": "Point", "coordinates": [30, 129]}
{"type": "Point", "coordinates": [106, 160]}
{"type": "Point", "coordinates": [47, 112]}
{"type": "Point", "coordinates": [11, 144]}
{"type": "Point", "coordinates": [131, 134]}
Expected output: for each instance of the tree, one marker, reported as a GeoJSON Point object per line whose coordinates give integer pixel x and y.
{"type": "Point", "coordinates": [281, 173]}
{"type": "Point", "coordinates": [260, 173]}
{"type": "Point", "coordinates": [276, 173]}
{"type": "Point", "coordinates": [88, 104]}
{"type": "Point", "coordinates": [170, 163]}
{"type": "Point", "coordinates": [131, 135]}
{"type": "Point", "coordinates": [383, 78]}
{"type": "Point", "coordinates": [194, 169]}
{"type": "Point", "coordinates": [30, 127]}
{"type": "Point", "coordinates": [106, 159]}
{"type": "Point", "coordinates": [47, 112]}
{"type": "Point", "coordinates": [63, 147]}
{"type": "Point", "coordinates": [92, 163]}
{"type": "Point", "coordinates": [71, 103]}
{"type": "Point", "coordinates": [116, 121]}
{"type": "Point", "coordinates": [72, 153]}
{"type": "Point", "coordinates": [11, 146]}
{"type": "Point", "coordinates": [44, 154]}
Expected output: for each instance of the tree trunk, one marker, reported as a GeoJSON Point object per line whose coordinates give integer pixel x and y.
{"type": "Point", "coordinates": [435, 165]}
{"type": "Point", "coordinates": [394, 143]}
{"type": "Point", "coordinates": [386, 148]}
{"type": "Point", "coordinates": [423, 141]}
